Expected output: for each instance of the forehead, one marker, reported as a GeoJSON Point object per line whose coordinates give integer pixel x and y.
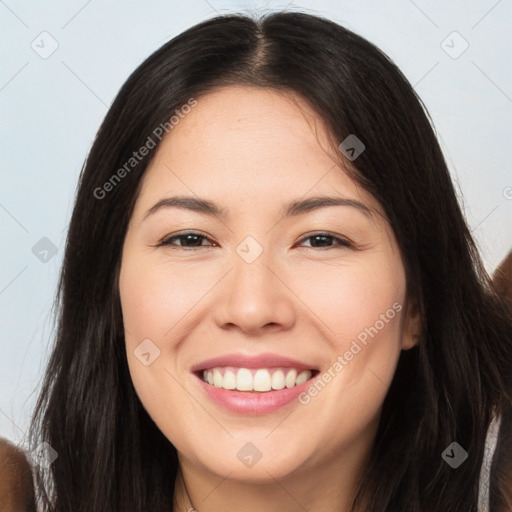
{"type": "Point", "coordinates": [243, 145]}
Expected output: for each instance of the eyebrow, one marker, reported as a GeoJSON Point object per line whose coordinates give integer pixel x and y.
{"type": "Point", "coordinates": [294, 208]}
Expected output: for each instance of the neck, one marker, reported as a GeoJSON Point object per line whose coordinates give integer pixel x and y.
{"type": "Point", "coordinates": [181, 501]}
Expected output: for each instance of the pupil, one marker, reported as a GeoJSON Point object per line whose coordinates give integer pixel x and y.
{"type": "Point", "coordinates": [193, 238]}
{"type": "Point", "coordinates": [324, 240]}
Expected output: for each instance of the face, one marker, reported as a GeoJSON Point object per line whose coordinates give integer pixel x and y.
{"type": "Point", "coordinates": [263, 324]}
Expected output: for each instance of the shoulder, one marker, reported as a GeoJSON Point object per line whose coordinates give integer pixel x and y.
{"type": "Point", "coordinates": [502, 278]}
{"type": "Point", "coordinates": [500, 477]}
{"type": "Point", "coordinates": [16, 487]}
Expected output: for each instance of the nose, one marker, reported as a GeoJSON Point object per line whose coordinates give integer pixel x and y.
{"type": "Point", "coordinates": [255, 298]}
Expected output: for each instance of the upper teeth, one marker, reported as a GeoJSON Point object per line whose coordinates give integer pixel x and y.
{"type": "Point", "coordinates": [244, 379]}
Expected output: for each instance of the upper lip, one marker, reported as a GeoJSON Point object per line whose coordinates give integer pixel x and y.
{"type": "Point", "coordinates": [245, 361]}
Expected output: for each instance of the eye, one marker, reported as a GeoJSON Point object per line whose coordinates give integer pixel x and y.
{"type": "Point", "coordinates": [325, 240]}
{"type": "Point", "coordinates": [190, 239]}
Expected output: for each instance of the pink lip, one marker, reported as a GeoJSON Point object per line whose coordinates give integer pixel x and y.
{"type": "Point", "coordinates": [244, 361]}
{"type": "Point", "coordinates": [252, 403]}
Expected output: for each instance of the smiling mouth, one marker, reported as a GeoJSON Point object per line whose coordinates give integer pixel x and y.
{"type": "Point", "coordinates": [255, 380]}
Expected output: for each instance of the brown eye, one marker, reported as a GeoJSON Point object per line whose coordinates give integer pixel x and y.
{"type": "Point", "coordinates": [190, 239]}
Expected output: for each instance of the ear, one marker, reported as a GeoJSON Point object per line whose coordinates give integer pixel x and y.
{"type": "Point", "coordinates": [412, 325]}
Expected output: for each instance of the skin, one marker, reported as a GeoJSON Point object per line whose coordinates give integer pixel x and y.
{"type": "Point", "coordinates": [16, 487]}
{"type": "Point", "coordinates": [251, 151]}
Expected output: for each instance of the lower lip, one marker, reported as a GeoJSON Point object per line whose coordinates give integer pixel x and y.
{"type": "Point", "coordinates": [253, 403]}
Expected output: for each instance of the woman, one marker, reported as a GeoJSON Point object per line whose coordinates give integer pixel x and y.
{"type": "Point", "coordinates": [270, 299]}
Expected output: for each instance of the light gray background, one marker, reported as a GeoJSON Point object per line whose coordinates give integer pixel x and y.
{"type": "Point", "coordinates": [51, 108]}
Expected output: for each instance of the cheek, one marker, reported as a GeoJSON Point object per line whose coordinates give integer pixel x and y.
{"type": "Point", "coordinates": [359, 308]}
{"type": "Point", "coordinates": [350, 300]}
{"type": "Point", "coordinates": [151, 306]}
{"type": "Point", "coordinates": [159, 307]}
{"type": "Point", "coordinates": [155, 299]}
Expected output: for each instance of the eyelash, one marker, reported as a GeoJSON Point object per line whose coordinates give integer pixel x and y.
{"type": "Point", "coordinates": [341, 242]}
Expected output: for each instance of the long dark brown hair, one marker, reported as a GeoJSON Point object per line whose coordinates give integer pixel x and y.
{"type": "Point", "coordinates": [111, 456]}
{"type": "Point", "coordinates": [501, 484]}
